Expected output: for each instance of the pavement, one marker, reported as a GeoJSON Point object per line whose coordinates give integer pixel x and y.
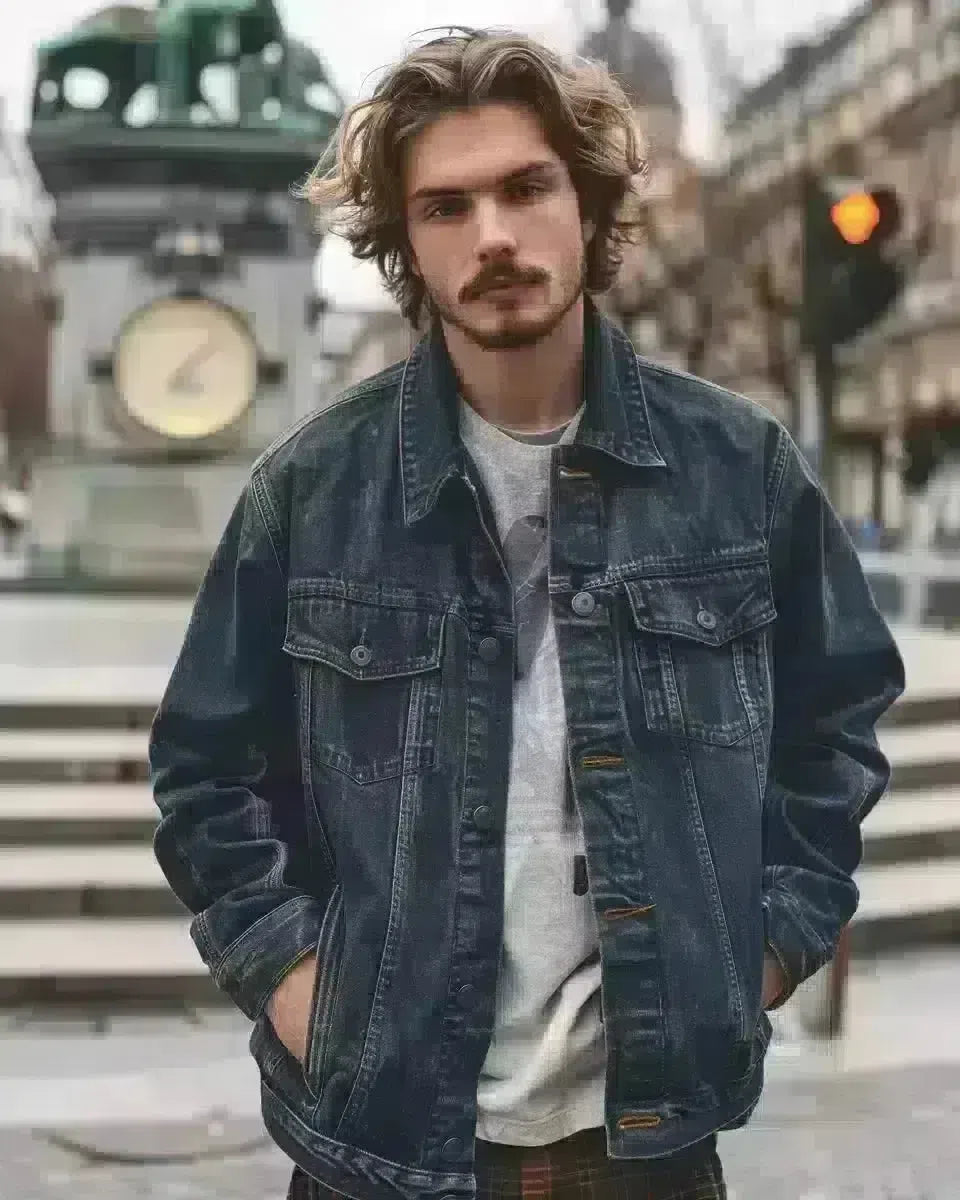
{"type": "Point", "coordinates": [885, 1136]}
{"type": "Point", "coordinates": [99, 1106]}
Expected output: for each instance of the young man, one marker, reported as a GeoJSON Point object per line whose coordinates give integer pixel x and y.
{"type": "Point", "coordinates": [515, 758]}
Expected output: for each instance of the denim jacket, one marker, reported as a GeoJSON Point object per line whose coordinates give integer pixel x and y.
{"type": "Point", "coordinates": [330, 757]}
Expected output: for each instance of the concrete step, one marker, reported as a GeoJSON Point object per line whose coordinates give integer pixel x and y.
{"type": "Point", "coordinates": [923, 710]}
{"type": "Point", "coordinates": [913, 825]}
{"type": "Point", "coordinates": [904, 825]}
{"type": "Point", "coordinates": [907, 905]}
{"type": "Point", "coordinates": [73, 881]}
{"type": "Point", "coordinates": [153, 961]}
{"type": "Point", "coordinates": [145, 962]}
{"type": "Point", "coordinates": [63, 714]}
{"type": "Point", "coordinates": [76, 813]}
{"type": "Point", "coordinates": [907, 745]}
{"type": "Point", "coordinates": [923, 757]}
{"type": "Point", "coordinates": [57, 755]}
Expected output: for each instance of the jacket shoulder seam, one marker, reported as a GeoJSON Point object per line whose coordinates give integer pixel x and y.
{"type": "Point", "coordinates": [777, 474]}
{"type": "Point", "coordinates": [366, 388]}
{"type": "Point", "coordinates": [675, 373]}
{"type": "Point", "coordinates": [261, 499]}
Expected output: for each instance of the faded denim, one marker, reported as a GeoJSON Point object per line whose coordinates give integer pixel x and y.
{"type": "Point", "coordinates": [330, 757]}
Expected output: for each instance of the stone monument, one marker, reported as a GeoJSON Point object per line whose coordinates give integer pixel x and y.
{"type": "Point", "coordinates": [183, 284]}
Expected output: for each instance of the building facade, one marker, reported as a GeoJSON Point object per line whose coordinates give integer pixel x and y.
{"type": "Point", "coordinates": [877, 99]}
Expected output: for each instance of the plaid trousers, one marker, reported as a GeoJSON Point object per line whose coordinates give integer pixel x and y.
{"type": "Point", "coordinates": [576, 1168]}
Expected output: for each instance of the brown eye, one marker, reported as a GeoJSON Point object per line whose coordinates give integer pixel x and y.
{"type": "Point", "coordinates": [529, 189]}
{"type": "Point", "coordinates": [444, 208]}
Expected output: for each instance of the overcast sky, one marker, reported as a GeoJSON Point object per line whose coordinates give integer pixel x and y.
{"type": "Point", "coordinates": [354, 50]}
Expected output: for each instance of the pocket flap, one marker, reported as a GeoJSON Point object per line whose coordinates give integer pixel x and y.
{"type": "Point", "coordinates": [711, 607]}
{"type": "Point", "coordinates": [362, 639]}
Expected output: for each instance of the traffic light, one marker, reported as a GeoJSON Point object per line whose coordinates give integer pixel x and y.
{"type": "Point", "coordinates": [850, 277]}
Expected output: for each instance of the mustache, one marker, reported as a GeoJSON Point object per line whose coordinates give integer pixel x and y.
{"type": "Point", "coordinates": [495, 275]}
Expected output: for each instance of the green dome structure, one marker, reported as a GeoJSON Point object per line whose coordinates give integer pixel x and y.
{"type": "Point", "coordinates": [170, 140]}
{"type": "Point", "coordinates": [189, 78]}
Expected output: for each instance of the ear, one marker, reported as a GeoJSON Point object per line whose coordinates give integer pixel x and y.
{"type": "Point", "coordinates": [589, 229]}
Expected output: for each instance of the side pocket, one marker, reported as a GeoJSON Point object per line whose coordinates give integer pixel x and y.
{"type": "Point", "coordinates": [329, 961]}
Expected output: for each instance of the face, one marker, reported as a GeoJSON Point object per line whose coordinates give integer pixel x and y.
{"type": "Point", "coordinates": [494, 225]}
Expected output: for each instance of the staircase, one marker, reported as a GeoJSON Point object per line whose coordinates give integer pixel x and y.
{"type": "Point", "coordinates": [910, 878]}
{"type": "Point", "coordinates": [85, 913]}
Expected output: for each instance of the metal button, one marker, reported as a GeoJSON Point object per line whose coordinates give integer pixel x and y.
{"type": "Point", "coordinates": [452, 1148]}
{"type": "Point", "coordinates": [483, 817]}
{"type": "Point", "coordinates": [361, 655]}
{"type": "Point", "coordinates": [467, 996]}
{"type": "Point", "coordinates": [584, 604]}
{"type": "Point", "coordinates": [489, 649]}
{"type": "Point", "coordinates": [706, 620]}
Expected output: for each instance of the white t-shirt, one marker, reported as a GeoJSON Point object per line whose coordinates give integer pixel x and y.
{"type": "Point", "coordinates": [544, 1075]}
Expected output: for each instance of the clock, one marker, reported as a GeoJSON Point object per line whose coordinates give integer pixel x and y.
{"type": "Point", "coordinates": [185, 367]}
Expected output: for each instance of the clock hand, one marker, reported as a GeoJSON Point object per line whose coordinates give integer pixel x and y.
{"type": "Point", "coordinates": [179, 378]}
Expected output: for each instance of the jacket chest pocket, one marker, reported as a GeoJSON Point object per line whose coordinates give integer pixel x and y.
{"type": "Point", "coordinates": [700, 648]}
{"type": "Point", "coordinates": [370, 683]}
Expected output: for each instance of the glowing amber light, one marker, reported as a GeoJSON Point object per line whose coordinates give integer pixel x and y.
{"type": "Point", "coordinates": [856, 217]}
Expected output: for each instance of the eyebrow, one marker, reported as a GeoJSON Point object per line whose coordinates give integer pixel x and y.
{"type": "Point", "coordinates": [546, 167]}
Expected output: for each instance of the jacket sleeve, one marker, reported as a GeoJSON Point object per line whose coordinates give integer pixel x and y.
{"type": "Point", "coordinates": [225, 768]}
{"type": "Point", "coordinates": [836, 671]}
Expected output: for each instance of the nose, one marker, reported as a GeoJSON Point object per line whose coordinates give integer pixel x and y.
{"type": "Point", "coordinates": [495, 238]}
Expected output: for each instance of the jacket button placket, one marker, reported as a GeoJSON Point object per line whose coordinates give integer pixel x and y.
{"type": "Point", "coordinates": [597, 734]}
{"type": "Point", "coordinates": [478, 934]}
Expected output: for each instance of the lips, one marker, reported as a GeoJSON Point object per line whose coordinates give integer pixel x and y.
{"type": "Point", "coordinates": [505, 285]}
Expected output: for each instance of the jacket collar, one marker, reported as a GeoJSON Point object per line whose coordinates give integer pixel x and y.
{"type": "Point", "coordinates": [616, 421]}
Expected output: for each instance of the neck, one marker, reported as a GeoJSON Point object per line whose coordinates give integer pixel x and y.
{"type": "Point", "coordinates": [529, 388]}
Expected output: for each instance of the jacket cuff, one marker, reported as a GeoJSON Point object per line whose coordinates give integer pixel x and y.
{"type": "Point", "coordinates": [789, 987]}
{"type": "Point", "coordinates": [799, 953]}
{"type": "Point", "coordinates": [252, 967]}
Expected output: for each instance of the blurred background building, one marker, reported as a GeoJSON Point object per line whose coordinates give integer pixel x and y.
{"type": "Point", "coordinates": [713, 286]}
{"type": "Point", "coordinates": [877, 98]}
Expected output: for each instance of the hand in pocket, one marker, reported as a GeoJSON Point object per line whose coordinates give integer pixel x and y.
{"type": "Point", "coordinates": [289, 1007]}
{"type": "Point", "coordinates": [774, 983]}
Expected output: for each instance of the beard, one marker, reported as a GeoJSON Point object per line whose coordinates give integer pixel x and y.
{"type": "Point", "coordinates": [512, 329]}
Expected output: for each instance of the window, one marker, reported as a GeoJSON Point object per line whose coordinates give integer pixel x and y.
{"type": "Point", "coordinates": [901, 26]}
{"type": "Point", "coordinates": [322, 98]}
{"type": "Point", "coordinates": [850, 121]}
{"type": "Point", "coordinates": [143, 107]}
{"type": "Point", "coordinates": [218, 87]}
{"type": "Point", "coordinates": [900, 86]}
{"type": "Point", "coordinates": [85, 88]}
{"type": "Point", "coordinates": [877, 45]}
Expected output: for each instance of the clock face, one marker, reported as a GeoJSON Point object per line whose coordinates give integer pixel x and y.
{"type": "Point", "coordinates": [185, 368]}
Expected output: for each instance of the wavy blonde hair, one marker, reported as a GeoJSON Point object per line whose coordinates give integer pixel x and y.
{"type": "Point", "coordinates": [358, 187]}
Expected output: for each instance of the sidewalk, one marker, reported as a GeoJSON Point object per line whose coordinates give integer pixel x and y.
{"type": "Point", "coordinates": [874, 1117]}
{"type": "Point", "coordinates": [888, 1136]}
